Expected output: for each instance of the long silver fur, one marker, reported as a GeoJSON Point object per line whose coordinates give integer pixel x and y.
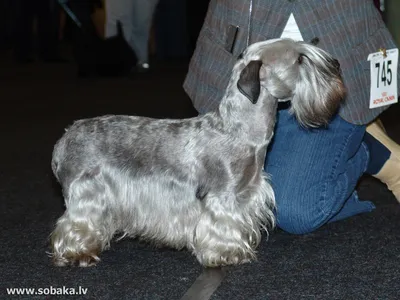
{"type": "Point", "coordinates": [195, 183]}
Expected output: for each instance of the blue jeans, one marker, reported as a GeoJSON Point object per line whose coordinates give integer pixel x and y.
{"type": "Point", "coordinates": [314, 173]}
{"type": "Point", "coordinates": [136, 18]}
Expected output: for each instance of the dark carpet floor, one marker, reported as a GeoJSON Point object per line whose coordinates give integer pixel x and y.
{"type": "Point", "coordinates": [357, 258]}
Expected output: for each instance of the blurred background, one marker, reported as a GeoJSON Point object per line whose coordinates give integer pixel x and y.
{"type": "Point", "coordinates": [392, 17]}
{"type": "Point", "coordinates": [174, 29]}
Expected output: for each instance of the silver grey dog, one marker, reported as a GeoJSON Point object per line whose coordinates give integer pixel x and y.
{"type": "Point", "coordinates": [196, 183]}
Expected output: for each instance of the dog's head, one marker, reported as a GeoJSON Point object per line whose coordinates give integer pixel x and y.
{"type": "Point", "coordinates": [302, 73]}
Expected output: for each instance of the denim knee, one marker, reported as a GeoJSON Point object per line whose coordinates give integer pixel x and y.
{"type": "Point", "coordinates": [298, 220]}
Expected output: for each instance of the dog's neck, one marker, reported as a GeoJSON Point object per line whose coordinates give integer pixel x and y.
{"type": "Point", "coordinates": [253, 122]}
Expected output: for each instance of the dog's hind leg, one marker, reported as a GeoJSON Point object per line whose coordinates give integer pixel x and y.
{"type": "Point", "coordinates": [86, 227]}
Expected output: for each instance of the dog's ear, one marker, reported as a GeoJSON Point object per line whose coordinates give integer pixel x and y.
{"type": "Point", "coordinates": [249, 81]}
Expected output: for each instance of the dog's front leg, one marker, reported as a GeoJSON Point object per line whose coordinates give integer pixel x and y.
{"type": "Point", "coordinates": [223, 236]}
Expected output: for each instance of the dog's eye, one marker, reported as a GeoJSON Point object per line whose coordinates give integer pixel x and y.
{"type": "Point", "coordinates": [300, 59]}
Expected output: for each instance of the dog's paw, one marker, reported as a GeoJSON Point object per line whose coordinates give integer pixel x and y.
{"type": "Point", "coordinates": [76, 259]}
{"type": "Point", "coordinates": [217, 259]}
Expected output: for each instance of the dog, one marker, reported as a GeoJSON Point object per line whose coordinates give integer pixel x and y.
{"type": "Point", "coordinates": [194, 183]}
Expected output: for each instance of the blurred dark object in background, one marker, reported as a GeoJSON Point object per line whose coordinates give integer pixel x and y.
{"type": "Point", "coordinates": [42, 42]}
{"type": "Point", "coordinates": [170, 29]}
{"type": "Point", "coordinates": [93, 54]}
{"type": "Point", "coordinates": [196, 12]}
{"type": "Point", "coordinates": [8, 14]}
{"type": "Point", "coordinates": [177, 24]}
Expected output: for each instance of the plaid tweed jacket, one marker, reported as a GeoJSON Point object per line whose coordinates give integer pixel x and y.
{"type": "Point", "coordinates": [348, 29]}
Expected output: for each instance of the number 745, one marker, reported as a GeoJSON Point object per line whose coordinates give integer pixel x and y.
{"type": "Point", "coordinates": [384, 74]}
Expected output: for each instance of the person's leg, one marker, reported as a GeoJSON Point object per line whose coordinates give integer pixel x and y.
{"type": "Point", "coordinates": [142, 19]}
{"type": "Point", "coordinates": [83, 36]}
{"type": "Point", "coordinates": [385, 154]}
{"type": "Point", "coordinates": [119, 11]}
{"type": "Point", "coordinates": [314, 173]}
